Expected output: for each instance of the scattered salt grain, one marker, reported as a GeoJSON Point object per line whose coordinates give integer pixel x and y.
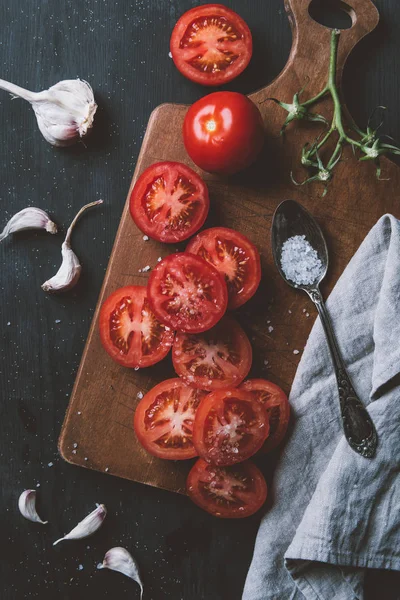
{"type": "Point", "coordinates": [106, 469]}
{"type": "Point", "coordinates": [290, 312]}
{"type": "Point", "coordinates": [50, 464]}
{"type": "Point", "coordinates": [145, 238]}
{"type": "Point", "coordinates": [146, 268]}
{"type": "Point", "coordinates": [73, 451]}
{"type": "Point", "coordinates": [38, 485]}
{"type": "Point", "coordinates": [75, 445]}
{"type": "Point", "coordinates": [270, 329]}
{"type": "Point", "coordinates": [307, 314]}
{"type": "Point", "coordinates": [159, 259]}
{"type": "Point", "coordinates": [57, 321]}
{"type": "Point", "coordinates": [170, 54]}
{"type": "Point", "coordinates": [300, 262]}
{"type": "Point", "coordinates": [86, 458]}
{"type": "Point", "coordinates": [296, 351]}
{"type": "Point", "coordinates": [80, 567]}
{"type": "Point", "coordinates": [139, 395]}
{"type": "Point", "coordinates": [9, 323]}
{"type": "Point", "coordinates": [79, 412]}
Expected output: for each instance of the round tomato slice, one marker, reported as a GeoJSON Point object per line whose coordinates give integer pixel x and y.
{"type": "Point", "coordinates": [164, 419]}
{"type": "Point", "coordinates": [211, 44]}
{"type": "Point", "coordinates": [227, 492]}
{"type": "Point", "coordinates": [218, 358]}
{"type": "Point", "coordinates": [230, 426]}
{"type": "Point", "coordinates": [169, 202]}
{"type": "Point", "coordinates": [130, 332]}
{"type": "Point", "coordinates": [187, 293]}
{"type": "Point", "coordinates": [275, 401]}
{"type": "Point", "coordinates": [234, 256]}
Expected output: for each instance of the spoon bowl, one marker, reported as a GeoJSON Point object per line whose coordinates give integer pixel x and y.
{"type": "Point", "coordinates": [292, 219]}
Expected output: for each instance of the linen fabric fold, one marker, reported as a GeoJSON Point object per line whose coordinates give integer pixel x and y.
{"type": "Point", "coordinates": [333, 513]}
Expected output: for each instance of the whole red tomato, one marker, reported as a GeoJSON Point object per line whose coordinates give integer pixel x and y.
{"type": "Point", "coordinates": [223, 132]}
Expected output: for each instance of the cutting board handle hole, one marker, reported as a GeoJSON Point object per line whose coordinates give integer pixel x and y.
{"type": "Point", "coordinates": [334, 14]}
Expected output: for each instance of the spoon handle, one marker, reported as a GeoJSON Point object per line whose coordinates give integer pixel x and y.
{"type": "Point", "coordinates": [358, 427]}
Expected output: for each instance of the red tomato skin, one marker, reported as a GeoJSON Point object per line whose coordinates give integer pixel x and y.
{"type": "Point", "coordinates": [195, 75]}
{"type": "Point", "coordinates": [207, 383]}
{"type": "Point", "coordinates": [278, 396]}
{"type": "Point", "coordinates": [199, 327]}
{"type": "Point", "coordinates": [222, 512]}
{"type": "Point", "coordinates": [236, 136]}
{"type": "Point", "coordinates": [131, 360]}
{"type": "Point", "coordinates": [138, 424]}
{"type": "Point", "coordinates": [138, 214]}
{"type": "Point", "coordinates": [235, 300]}
{"type": "Point", "coordinates": [215, 402]}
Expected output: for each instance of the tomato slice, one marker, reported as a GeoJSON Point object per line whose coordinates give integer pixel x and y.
{"type": "Point", "coordinates": [218, 358]}
{"type": "Point", "coordinates": [227, 492]}
{"type": "Point", "coordinates": [130, 332]}
{"type": "Point", "coordinates": [211, 44]}
{"type": "Point", "coordinates": [187, 293]}
{"type": "Point", "coordinates": [164, 419]}
{"type": "Point", "coordinates": [278, 409]}
{"type": "Point", "coordinates": [169, 202]}
{"type": "Point", "coordinates": [230, 426]}
{"type": "Point", "coordinates": [234, 256]}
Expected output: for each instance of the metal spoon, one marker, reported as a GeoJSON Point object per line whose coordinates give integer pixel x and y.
{"type": "Point", "coordinates": [292, 219]}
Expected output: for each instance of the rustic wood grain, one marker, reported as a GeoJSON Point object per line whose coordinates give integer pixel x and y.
{"type": "Point", "coordinates": [99, 418]}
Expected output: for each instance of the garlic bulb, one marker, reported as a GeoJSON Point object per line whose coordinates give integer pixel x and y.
{"type": "Point", "coordinates": [29, 218]}
{"type": "Point", "coordinates": [64, 112]}
{"type": "Point", "coordinates": [119, 559]}
{"type": "Point", "coordinates": [88, 526]}
{"type": "Point", "coordinates": [27, 507]}
{"type": "Point", "coordinates": [68, 274]}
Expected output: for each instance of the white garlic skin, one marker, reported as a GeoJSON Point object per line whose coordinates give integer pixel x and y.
{"type": "Point", "coordinates": [88, 526]}
{"type": "Point", "coordinates": [118, 559]}
{"type": "Point", "coordinates": [64, 112]}
{"type": "Point", "coordinates": [67, 275]}
{"type": "Point", "coordinates": [27, 507]}
{"type": "Point", "coordinates": [28, 218]}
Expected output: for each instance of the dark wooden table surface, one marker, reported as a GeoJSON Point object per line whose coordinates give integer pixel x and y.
{"type": "Point", "coordinates": [121, 47]}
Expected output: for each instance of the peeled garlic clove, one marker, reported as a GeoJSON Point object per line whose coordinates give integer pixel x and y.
{"type": "Point", "coordinates": [88, 526]}
{"type": "Point", "coordinates": [64, 112]}
{"type": "Point", "coordinates": [68, 274]}
{"type": "Point", "coordinates": [29, 218]}
{"type": "Point", "coordinates": [119, 559]}
{"type": "Point", "coordinates": [27, 507]}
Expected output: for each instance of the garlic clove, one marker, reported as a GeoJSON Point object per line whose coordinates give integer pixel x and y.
{"type": "Point", "coordinates": [118, 559]}
{"type": "Point", "coordinates": [27, 507]}
{"type": "Point", "coordinates": [69, 272]}
{"type": "Point", "coordinates": [29, 218]}
{"type": "Point", "coordinates": [65, 112]}
{"type": "Point", "coordinates": [88, 526]}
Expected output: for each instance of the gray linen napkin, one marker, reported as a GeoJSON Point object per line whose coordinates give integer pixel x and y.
{"type": "Point", "coordinates": [335, 513]}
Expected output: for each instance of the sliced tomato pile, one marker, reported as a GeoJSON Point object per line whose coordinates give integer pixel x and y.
{"type": "Point", "coordinates": [234, 256]}
{"type": "Point", "coordinates": [218, 358]}
{"type": "Point", "coordinates": [230, 426]}
{"type": "Point", "coordinates": [169, 202]}
{"type": "Point", "coordinates": [130, 332]}
{"type": "Point", "coordinates": [227, 492]}
{"type": "Point", "coordinates": [277, 406]}
{"type": "Point", "coordinates": [211, 44]}
{"type": "Point", "coordinates": [187, 293]}
{"type": "Point", "coordinates": [164, 420]}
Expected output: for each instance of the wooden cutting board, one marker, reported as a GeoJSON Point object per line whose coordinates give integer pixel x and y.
{"type": "Point", "coordinates": [97, 431]}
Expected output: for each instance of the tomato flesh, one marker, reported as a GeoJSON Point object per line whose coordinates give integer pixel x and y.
{"type": "Point", "coordinates": [234, 256]}
{"type": "Point", "coordinates": [164, 420]}
{"type": "Point", "coordinates": [227, 492]}
{"type": "Point", "coordinates": [218, 358]}
{"type": "Point", "coordinates": [186, 293]}
{"type": "Point", "coordinates": [129, 330]}
{"type": "Point", "coordinates": [223, 132]}
{"type": "Point", "coordinates": [169, 202]}
{"type": "Point", "coordinates": [230, 426]}
{"type": "Point", "coordinates": [276, 403]}
{"type": "Point", "coordinates": [211, 44]}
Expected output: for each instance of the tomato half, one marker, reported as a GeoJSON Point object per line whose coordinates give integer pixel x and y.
{"type": "Point", "coordinates": [276, 402]}
{"type": "Point", "coordinates": [164, 419]}
{"type": "Point", "coordinates": [130, 332]}
{"type": "Point", "coordinates": [169, 202]}
{"type": "Point", "coordinates": [223, 132]}
{"type": "Point", "coordinates": [211, 44]}
{"type": "Point", "coordinates": [230, 426]}
{"type": "Point", "coordinates": [234, 256]}
{"type": "Point", "coordinates": [227, 492]}
{"type": "Point", "coordinates": [218, 358]}
{"type": "Point", "coordinates": [187, 293]}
